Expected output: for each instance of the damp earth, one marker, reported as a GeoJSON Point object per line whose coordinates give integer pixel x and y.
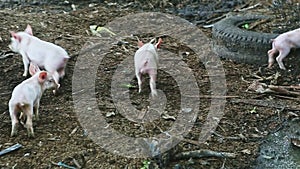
{"type": "Point", "coordinates": [255, 135]}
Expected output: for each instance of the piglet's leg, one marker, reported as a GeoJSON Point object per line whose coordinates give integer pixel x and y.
{"type": "Point", "coordinates": [139, 79]}
{"type": "Point", "coordinates": [14, 120]}
{"type": "Point", "coordinates": [29, 113]}
{"type": "Point", "coordinates": [55, 75]}
{"type": "Point", "coordinates": [61, 70]}
{"type": "Point", "coordinates": [56, 78]}
{"type": "Point", "coordinates": [282, 54]}
{"type": "Point", "coordinates": [25, 62]}
{"type": "Point", "coordinates": [36, 110]}
{"type": "Point", "coordinates": [271, 54]}
{"type": "Point", "coordinates": [157, 45]}
{"type": "Point", "coordinates": [153, 84]}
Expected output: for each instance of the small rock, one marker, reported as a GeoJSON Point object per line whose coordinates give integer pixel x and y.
{"type": "Point", "coordinates": [177, 166]}
{"type": "Point", "coordinates": [191, 161]}
{"type": "Point", "coordinates": [110, 114]}
{"type": "Point", "coordinates": [266, 157]}
{"type": "Point", "coordinates": [73, 7]}
{"type": "Point", "coordinates": [168, 117]}
{"type": "Point", "coordinates": [40, 144]}
{"type": "Point", "coordinates": [295, 142]}
{"type": "Point", "coordinates": [246, 151]}
{"type": "Point", "coordinates": [187, 110]}
{"type": "Point", "coordinates": [92, 5]}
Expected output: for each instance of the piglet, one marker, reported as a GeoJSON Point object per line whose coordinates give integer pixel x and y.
{"type": "Point", "coordinates": [46, 55]}
{"type": "Point", "coordinates": [146, 62]}
{"type": "Point", "coordinates": [282, 45]}
{"type": "Point", "coordinates": [26, 97]}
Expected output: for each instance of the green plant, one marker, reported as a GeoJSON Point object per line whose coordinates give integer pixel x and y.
{"type": "Point", "coordinates": [246, 26]}
{"type": "Point", "coordinates": [253, 110]}
{"type": "Point", "coordinates": [146, 164]}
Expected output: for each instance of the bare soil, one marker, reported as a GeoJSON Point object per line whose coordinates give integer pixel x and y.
{"type": "Point", "coordinates": [61, 138]}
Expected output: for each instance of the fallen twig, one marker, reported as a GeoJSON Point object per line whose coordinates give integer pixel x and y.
{"type": "Point", "coordinates": [74, 130]}
{"type": "Point", "coordinates": [248, 8]}
{"type": "Point", "coordinates": [253, 25]}
{"type": "Point", "coordinates": [282, 90]}
{"type": "Point", "coordinates": [4, 94]}
{"type": "Point", "coordinates": [273, 77]}
{"type": "Point", "coordinates": [76, 163]}
{"type": "Point", "coordinates": [287, 97]}
{"type": "Point", "coordinates": [204, 153]}
{"type": "Point", "coordinates": [13, 167]}
{"type": "Point", "coordinates": [53, 163]}
{"type": "Point", "coordinates": [290, 87]}
{"type": "Point", "coordinates": [211, 97]}
{"type": "Point", "coordinates": [213, 20]}
{"type": "Point", "coordinates": [240, 137]}
{"type": "Point", "coordinates": [246, 81]}
{"type": "Point", "coordinates": [191, 141]}
{"type": "Point", "coordinates": [61, 164]}
{"type": "Point", "coordinates": [223, 165]}
{"type": "Point", "coordinates": [264, 88]}
{"type": "Point", "coordinates": [5, 55]}
{"type": "Point", "coordinates": [266, 103]}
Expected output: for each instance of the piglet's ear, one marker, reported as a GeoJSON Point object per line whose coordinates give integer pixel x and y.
{"type": "Point", "coordinates": [33, 69]}
{"type": "Point", "coordinates": [15, 36]}
{"type": "Point", "coordinates": [42, 77]}
{"type": "Point", "coordinates": [140, 43]}
{"type": "Point", "coordinates": [28, 30]}
{"type": "Point", "coordinates": [157, 45]}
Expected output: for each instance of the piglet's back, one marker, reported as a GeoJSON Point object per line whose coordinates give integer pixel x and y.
{"type": "Point", "coordinates": [147, 53]}
{"type": "Point", "coordinates": [25, 91]}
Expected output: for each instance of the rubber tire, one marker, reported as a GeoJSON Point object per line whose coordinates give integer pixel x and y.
{"type": "Point", "coordinates": [232, 42]}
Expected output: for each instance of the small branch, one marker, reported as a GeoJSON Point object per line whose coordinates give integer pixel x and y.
{"type": "Point", "coordinates": [6, 55]}
{"type": "Point", "coordinates": [191, 141]}
{"type": "Point", "coordinates": [4, 94]}
{"type": "Point", "coordinates": [272, 77]}
{"type": "Point", "coordinates": [204, 153]}
{"type": "Point", "coordinates": [240, 137]}
{"type": "Point", "coordinates": [290, 87]}
{"type": "Point", "coordinates": [266, 103]}
{"type": "Point", "coordinates": [264, 88]}
{"type": "Point", "coordinates": [253, 25]}
{"type": "Point", "coordinates": [223, 165]}
{"type": "Point", "coordinates": [55, 164]}
{"type": "Point", "coordinates": [243, 79]}
{"type": "Point", "coordinates": [248, 8]}
{"type": "Point", "coordinates": [211, 97]}
{"type": "Point", "coordinates": [212, 21]}
{"type": "Point", "coordinates": [282, 90]}
{"type": "Point", "coordinates": [76, 163]}
{"type": "Point", "coordinates": [288, 97]}
{"type": "Point", "coordinates": [217, 97]}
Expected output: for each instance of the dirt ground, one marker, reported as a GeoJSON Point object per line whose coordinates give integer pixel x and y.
{"type": "Point", "coordinates": [61, 138]}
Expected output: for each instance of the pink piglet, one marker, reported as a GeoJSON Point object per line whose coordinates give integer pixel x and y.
{"type": "Point", "coordinates": [282, 45]}
{"type": "Point", "coordinates": [49, 56]}
{"type": "Point", "coordinates": [25, 98]}
{"type": "Point", "coordinates": [146, 62]}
